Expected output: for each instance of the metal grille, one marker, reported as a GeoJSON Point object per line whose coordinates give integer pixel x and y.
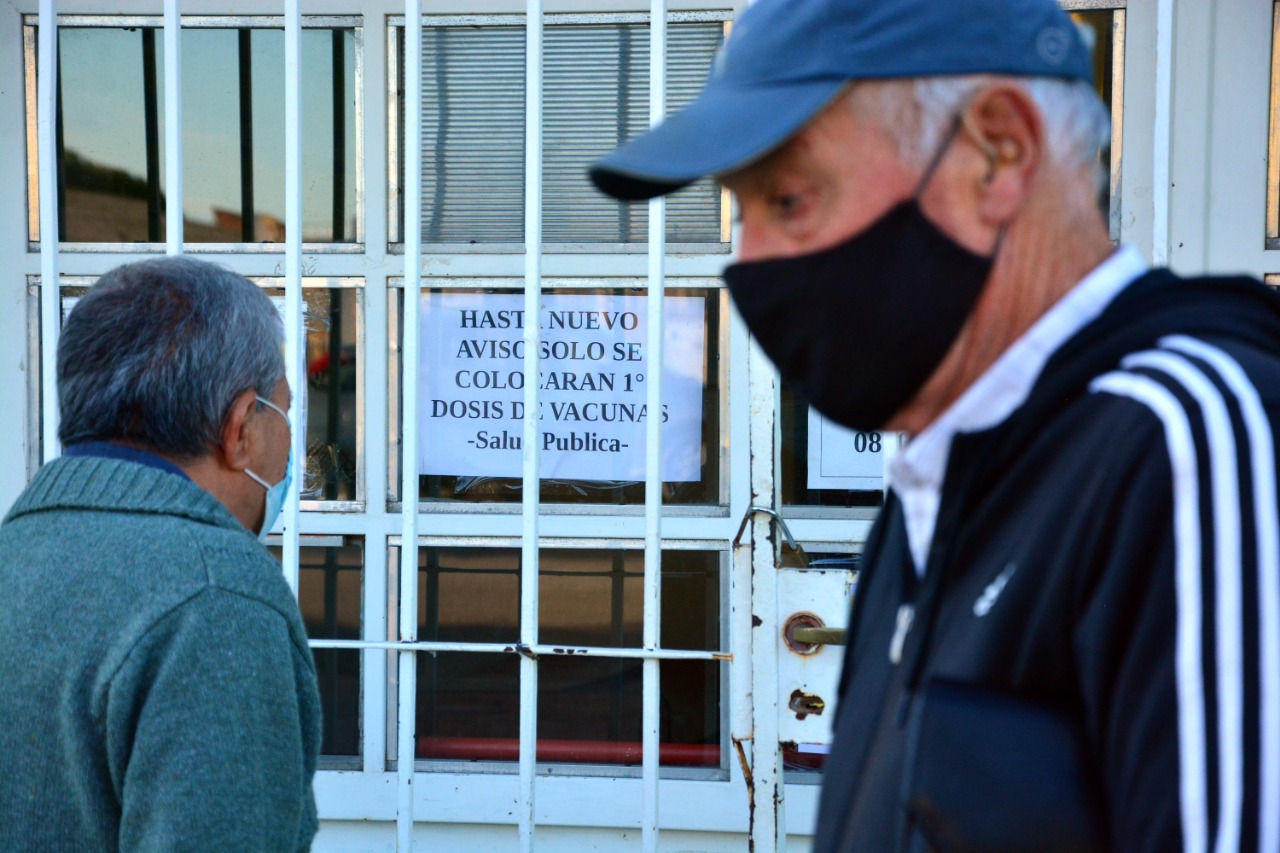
{"type": "Point", "coordinates": [410, 532]}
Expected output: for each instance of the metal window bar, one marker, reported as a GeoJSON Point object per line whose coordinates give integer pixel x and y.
{"type": "Point", "coordinates": [536, 650]}
{"type": "Point", "coordinates": [333, 397]}
{"type": "Point", "coordinates": [173, 127]}
{"type": "Point", "coordinates": [339, 137]}
{"type": "Point", "coordinates": [50, 303]}
{"type": "Point", "coordinates": [531, 492]}
{"type": "Point", "coordinates": [653, 448]}
{"type": "Point", "coordinates": [60, 138]}
{"type": "Point", "coordinates": [151, 123]}
{"type": "Point", "coordinates": [407, 657]}
{"type": "Point", "coordinates": [245, 59]}
{"type": "Point", "coordinates": [294, 337]}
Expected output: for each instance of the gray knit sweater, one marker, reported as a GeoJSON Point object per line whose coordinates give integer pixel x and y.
{"type": "Point", "coordinates": [156, 689]}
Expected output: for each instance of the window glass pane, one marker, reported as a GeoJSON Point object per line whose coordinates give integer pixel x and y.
{"type": "Point", "coordinates": [333, 320]}
{"type": "Point", "coordinates": [330, 586]}
{"type": "Point", "coordinates": [803, 483]}
{"type": "Point", "coordinates": [596, 81]}
{"type": "Point", "coordinates": [111, 141]}
{"type": "Point", "coordinates": [589, 712]}
{"type": "Point", "coordinates": [595, 598]}
{"type": "Point", "coordinates": [468, 707]}
{"type": "Point", "coordinates": [473, 134]}
{"type": "Point", "coordinates": [110, 172]}
{"type": "Point", "coordinates": [333, 392]}
{"type": "Point", "coordinates": [595, 95]}
{"type": "Point", "coordinates": [1104, 28]}
{"type": "Point", "coordinates": [593, 395]}
{"type": "Point", "coordinates": [589, 708]}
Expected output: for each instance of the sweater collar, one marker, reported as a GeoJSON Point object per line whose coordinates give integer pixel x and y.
{"type": "Point", "coordinates": [118, 485]}
{"type": "Point", "coordinates": [111, 450]}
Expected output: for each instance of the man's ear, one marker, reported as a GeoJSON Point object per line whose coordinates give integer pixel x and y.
{"type": "Point", "coordinates": [236, 442]}
{"type": "Point", "coordinates": [1004, 122]}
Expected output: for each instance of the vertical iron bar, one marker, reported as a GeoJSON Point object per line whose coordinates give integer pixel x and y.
{"type": "Point", "coordinates": [401, 47]}
{"type": "Point", "coordinates": [333, 397]}
{"type": "Point", "coordinates": [151, 125]}
{"type": "Point", "coordinates": [173, 127]}
{"type": "Point", "coordinates": [531, 483]}
{"type": "Point", "coordinates": [331, 568]}
{"type": "Point", "coordinates": [62, 145]}
{"type": "Point", "coordinates": [650, 712]}
{"type": "Point", "coordinates": [409, 467]}
{"type": "Point", "coordinates": [247, 214]}
{"type": "Point", "coordinates": [339, 137]}
{"type": "Point", "coordinates": [617, 622]}
{"type": "Point", "coordinates": [431, 628]}
{"type": "Point", "coordinates": [330, 658]}
{"type": "Point", "coordinates": [443, 125]}
{"type": "Point", "coordinates": [46, 156]}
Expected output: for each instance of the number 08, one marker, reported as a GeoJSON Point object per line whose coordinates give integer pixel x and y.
{"type": "Point", "coordinates": [866, 441]}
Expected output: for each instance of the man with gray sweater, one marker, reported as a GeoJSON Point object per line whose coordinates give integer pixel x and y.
{"type": "Point", "coordinates": [156, 688]}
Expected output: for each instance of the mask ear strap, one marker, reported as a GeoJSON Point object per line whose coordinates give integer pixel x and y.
{"type": "Point", "coordinates": [952, 130]}
{"type": "Point", "coordinates": [995, 250]}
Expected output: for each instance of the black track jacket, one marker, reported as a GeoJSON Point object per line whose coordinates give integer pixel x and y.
{"type": "Point", "coordinates": [1111, 547]}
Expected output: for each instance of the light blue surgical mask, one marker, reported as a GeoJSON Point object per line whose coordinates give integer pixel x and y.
{"type": "Point", "coordinates": [275, 494]}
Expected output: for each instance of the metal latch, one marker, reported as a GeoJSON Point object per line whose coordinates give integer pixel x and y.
{"type": "Point", "coordinates": [790, 554]}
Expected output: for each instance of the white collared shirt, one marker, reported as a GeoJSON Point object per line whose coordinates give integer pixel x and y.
{"type": "Point", "coordinates": [915, 473]}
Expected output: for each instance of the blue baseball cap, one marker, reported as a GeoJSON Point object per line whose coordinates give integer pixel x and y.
{"type": "Point", "coordinates": [785, 60]}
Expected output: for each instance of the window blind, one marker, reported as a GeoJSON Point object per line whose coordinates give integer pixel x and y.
{"type": "Point", "coordinates": [595, 96]}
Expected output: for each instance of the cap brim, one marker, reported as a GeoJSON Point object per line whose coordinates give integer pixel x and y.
{"type": "Point", "coordinates": [724, 129]}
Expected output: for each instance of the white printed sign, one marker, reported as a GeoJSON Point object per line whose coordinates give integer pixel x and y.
{"type": "Point", "coordinates": [592, 386]}
{"type": "Point", "coordinates": [841, 458]}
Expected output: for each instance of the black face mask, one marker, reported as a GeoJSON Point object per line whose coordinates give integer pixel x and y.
{"type": "Point", "coordinates": [857, 329]}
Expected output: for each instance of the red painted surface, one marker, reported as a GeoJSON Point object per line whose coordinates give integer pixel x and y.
{"type": "Point", "coordinates": [567, 751]}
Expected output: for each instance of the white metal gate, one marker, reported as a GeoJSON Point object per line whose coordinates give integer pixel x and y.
{"type": "Point", "coordinates": [378, 280]}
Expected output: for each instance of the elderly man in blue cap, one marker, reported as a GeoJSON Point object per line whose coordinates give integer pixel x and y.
{"type": "Point", "coordinates": [1067, 631]}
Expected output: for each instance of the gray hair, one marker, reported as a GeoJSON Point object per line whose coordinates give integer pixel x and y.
{"type": "Point", "coordinates": [158, 350]}
{"type": "Point", "coordinates": [1076, 123]}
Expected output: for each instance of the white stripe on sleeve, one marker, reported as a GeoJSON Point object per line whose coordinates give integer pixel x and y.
{"type": "Point", "coordinates": [1267, 520]}
{"type": "Point", "coordinates": [1187, 654]}
{"type": "Point", "coordinates": [1227, 570]}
